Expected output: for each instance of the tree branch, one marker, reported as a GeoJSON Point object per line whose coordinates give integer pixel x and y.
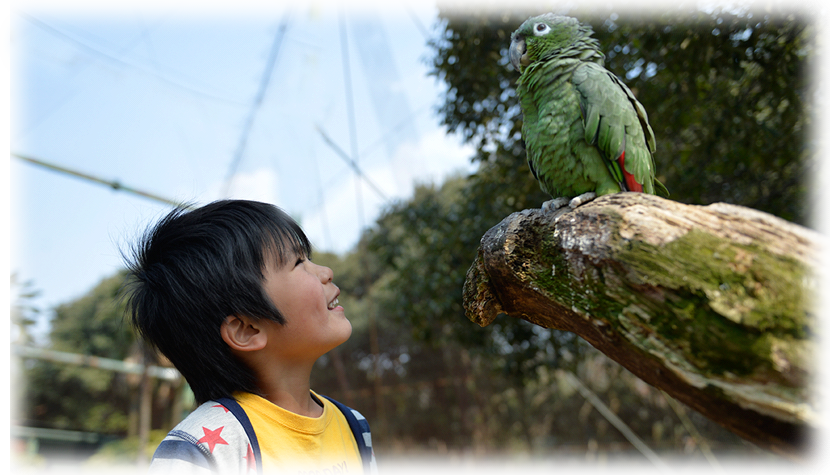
{"type": "Point", "coordinates": [713, 305]}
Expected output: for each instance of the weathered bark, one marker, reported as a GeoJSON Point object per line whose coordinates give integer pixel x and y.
{"type": "Point", "coordinates": [711, 304]}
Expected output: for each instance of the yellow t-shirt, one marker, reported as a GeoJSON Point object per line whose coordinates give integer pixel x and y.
{"type": "Point", "coordinates": [291, 443]}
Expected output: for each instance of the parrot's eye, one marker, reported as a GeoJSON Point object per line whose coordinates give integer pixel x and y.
{"type": "Point", "coordinates": [541, 29]}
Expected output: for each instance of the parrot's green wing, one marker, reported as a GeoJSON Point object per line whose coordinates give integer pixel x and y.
{"type": "Point", "coordinates": [617, 124]}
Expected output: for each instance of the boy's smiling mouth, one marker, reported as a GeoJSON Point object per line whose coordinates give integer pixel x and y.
{"type": "Point", "coordinates": [333, 304]}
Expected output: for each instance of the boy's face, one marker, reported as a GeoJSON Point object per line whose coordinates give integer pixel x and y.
{"type": "Point", "coordinates": [305, 295]}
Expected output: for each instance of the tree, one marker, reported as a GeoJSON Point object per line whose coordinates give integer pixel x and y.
{"type": "Point", "coordinates": [726, 91]}
{"type": "Point", "coordinates": [20, 312]}
{"type": "Point", "coordinates": [93, 324]}
{"type": "Point", "coordinates": [426, 245]}
{"type": "Point", "coordinates": [62, 396]}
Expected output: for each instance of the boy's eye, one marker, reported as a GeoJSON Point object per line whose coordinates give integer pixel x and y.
{"type": "Point", "coordinates": [299, 261]}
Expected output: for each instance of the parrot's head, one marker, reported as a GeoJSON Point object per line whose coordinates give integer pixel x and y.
{"type": "Point", "coordinates": [543, 36]}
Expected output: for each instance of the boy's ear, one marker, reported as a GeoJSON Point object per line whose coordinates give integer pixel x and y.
{"type": "Point", "coordinates": [242, 333]}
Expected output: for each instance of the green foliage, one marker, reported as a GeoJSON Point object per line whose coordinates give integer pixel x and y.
{"type": "Point", "coordinates": [94, 324]}
{"type": "Point", "coordinates": [74, 398]}
{"type": "Point", "coordinates": [22, 312]}
{"type": "Point", "coordinates": [727, 94]}
{"type": "Point", "coordinates": [62, 396]}
{"type": "Point", "coordinates": [428, 243]}
{"type": "Point", "coordinates": [121, 457]}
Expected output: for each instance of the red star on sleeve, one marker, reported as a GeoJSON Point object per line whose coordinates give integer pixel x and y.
{"type": "Point", "coordinates": [249, 457]}
{"type": "Point", "coordinates": [212, 438]}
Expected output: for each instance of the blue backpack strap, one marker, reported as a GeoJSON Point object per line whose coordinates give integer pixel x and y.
{"type": "Point", "coordinates": [359, 427]}
{"type": "Point", "coordinates": [233, 406]}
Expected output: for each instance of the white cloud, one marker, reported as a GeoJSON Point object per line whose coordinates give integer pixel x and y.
{"type": "Point", "coordinates": [435, 156]}
{"type": "Point", "coordinates": [258, 185]}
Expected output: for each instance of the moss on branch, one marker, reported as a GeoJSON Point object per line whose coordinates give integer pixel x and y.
{"type": "Point", "coordinates": [712, 304]}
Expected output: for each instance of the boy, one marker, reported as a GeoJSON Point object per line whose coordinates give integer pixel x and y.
{"type": "Point", "coordinates": [228, 293]}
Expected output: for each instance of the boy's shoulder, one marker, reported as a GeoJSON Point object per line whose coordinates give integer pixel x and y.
{"type": "Point", "coordinates": [212, 439]}
{"type": "Point", "coordinates": [357, 423]}
{"type": "Point", "coordinates": [209, 439]}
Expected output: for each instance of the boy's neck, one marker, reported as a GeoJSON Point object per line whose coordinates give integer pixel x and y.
{"type": "Point", "coordinates": [290, 390]}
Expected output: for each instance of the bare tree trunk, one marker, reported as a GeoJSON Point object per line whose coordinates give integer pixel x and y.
{"type": "Point", "coordinates": [713, 305]}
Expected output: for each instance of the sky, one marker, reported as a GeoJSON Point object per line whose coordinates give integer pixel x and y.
{"type": "Point", "coordinates": [174, 103]}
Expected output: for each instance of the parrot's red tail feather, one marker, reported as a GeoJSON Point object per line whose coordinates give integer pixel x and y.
{"type": "Point", "coordinates": [630, 182]}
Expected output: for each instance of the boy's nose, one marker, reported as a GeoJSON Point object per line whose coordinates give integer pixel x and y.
{"type": "Point", "coordinates": [326, 274]}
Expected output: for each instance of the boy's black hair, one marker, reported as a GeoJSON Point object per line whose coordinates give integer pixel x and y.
{"type": "Point", "coordinates": [195, 268]}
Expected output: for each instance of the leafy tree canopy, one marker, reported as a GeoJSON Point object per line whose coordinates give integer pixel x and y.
{"type": "Point", "coordinates": [63, 396]}
{"type": "Point", "coordinates": [427, 244]}
{"type": "Point", "coordinates": [22, 311]}
{"type": "Point", "coordinates": [94, 324]}
{"type": "Point", "coordinates": [727, 92]}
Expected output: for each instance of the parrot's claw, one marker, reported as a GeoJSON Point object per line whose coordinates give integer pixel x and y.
{"type": "Point", "coordinates": [581, 199]}
{"type": "Point", "coordinates": [555, 204]}
{"type": "Point", "coordinates": [558, 203]}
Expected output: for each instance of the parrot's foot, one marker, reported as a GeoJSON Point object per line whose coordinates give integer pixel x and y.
{"type": "Point", "coordinates": [582, 199]}
{"type": "Point", "coordinates": [558, 203]}
{"type": "Point", "coordinates": [555, 204]}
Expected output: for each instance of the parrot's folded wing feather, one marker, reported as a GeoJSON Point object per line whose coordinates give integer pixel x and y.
{"type": "Point", "coordinates": [615, 122]}
{"type": "Point", "coordinates": [642, 116]}
{"type": "Point", "coordinates": [646, 164]}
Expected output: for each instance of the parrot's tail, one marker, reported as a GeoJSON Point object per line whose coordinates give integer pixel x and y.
{"type": "Point", "coordinates": [630, 183]}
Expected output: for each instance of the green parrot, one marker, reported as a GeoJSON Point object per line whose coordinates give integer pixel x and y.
{"type": "Point", "coordinates": [585, 133]}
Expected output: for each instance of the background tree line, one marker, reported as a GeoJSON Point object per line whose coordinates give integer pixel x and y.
{"type": "Point", "coordinates": [728, 94]}
{"type": "Point", "coordinates": [727, 91]}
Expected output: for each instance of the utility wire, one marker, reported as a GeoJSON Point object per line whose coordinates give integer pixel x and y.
{"type": "Point", "coordinates": [354, 166]}
{"type": "Point", "coordinates": [113, 59]}
{"type": "Point", "coordinates": [94, 53]}
{"type": "Point", "coordinates": [263, 87]}
{"type": "Point", "coordinates": [420, 26]}
{"type": "Point", "coordinates": [390, 133]}
{"type": "Point", "coordinates": [701, 442]}
{"type": "Point", "coordinates": [614, 420]}
{"type": "Point", "coordinates": [373, 332]}
{"type": "Point", "coordinates": [322, 203]}
{"type": "Point", "coordinates": [115, 185]}
{"type": "Point", "coordinates": [148, 43]}
{"type": "Point", "coordinates": [347, 79]}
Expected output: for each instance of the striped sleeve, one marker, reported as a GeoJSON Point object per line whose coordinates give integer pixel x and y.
{"type": "Point", "coordinates": [209, 440]}
{"type": "Point", "coordinates": [366, 433]}
{"type": "Point", "coordinates": [178, 453]}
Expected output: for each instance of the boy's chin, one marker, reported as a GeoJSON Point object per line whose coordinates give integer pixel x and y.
{"type": "Point", "coordinates": [348, 334]}
{"type": "Point", "coordinates": [343, 334]}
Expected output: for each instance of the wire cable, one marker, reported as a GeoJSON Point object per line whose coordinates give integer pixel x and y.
{"type": "Point", "coordinates": [114, 184]}
{"type": "Point", "coordinates": [354, 166]}
{"type": "Point", "coordinates": [700, 441]}
{"type": "Point", "coordinates": [347, 79]}
{"type": "Point", "coordinates": [263, 87]}
{"type": "Point", "coordinates": [121, 62]}
{"type": "Point", "coordinates": [614, 420]}
{"type": "Point", "coordinates": [420, 26]}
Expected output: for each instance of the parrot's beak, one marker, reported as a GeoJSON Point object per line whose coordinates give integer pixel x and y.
{"type": "Point", "coordinates": [517, 53]}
